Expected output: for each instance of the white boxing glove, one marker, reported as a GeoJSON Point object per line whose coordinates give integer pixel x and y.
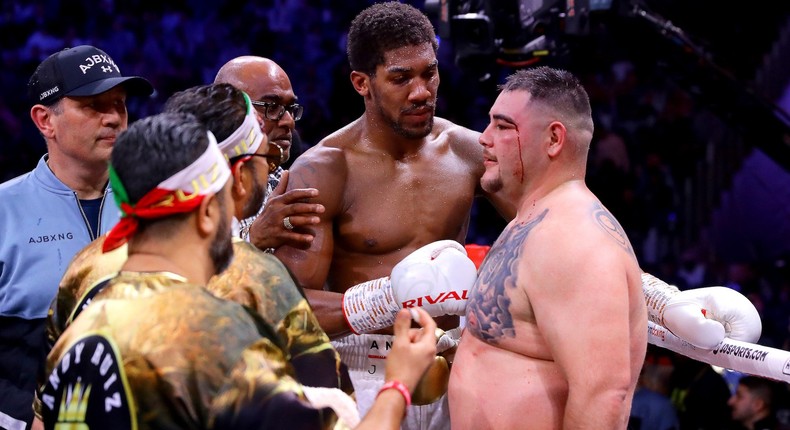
{"type": "Point", "coordinates": [702, 317]}
{"type": "Point", "coordinates": [436, 277]}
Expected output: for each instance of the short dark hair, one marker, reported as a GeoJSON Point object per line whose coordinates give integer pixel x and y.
{"type": "Point", "coordinates": [154, 149]}
{"type": "Point", "coordinates": [383, 27]}
{"type": "Point", "coordinates": [221, 107]}
{"type": "Point", "coordinates": [764, 389]}
{"type": "Point", "coordinates": [557, 88]}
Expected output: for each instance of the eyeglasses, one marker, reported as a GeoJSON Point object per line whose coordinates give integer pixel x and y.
{"type": "Point", "coordinates": [273, 161]}
{"type": "Point", "coordinates": [275, 111]}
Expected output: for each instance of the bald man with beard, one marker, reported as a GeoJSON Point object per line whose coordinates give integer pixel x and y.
{"type": "Point", "coordinates": [269, 88]}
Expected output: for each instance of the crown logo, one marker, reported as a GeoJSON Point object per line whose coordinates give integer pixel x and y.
{"type": "Point", "coordinates": [73, 407]}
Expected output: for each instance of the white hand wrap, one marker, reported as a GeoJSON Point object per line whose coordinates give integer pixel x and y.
{"type": "Point", "coordinates": [436, 277]}
{"type": "Point", "coordinates": [702, 316]}
{"type": "Point", "coordinates": [448, 339]}
{"type": "Point", "coordinates": [370, 306]}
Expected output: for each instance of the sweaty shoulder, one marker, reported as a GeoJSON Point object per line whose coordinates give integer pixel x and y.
{"type": "Point", "coordinates": [462, 141]}
{"type": "Point", "coordinates": [324, 166]}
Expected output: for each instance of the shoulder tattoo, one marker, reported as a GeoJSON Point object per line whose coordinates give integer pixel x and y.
{"type": "Point", "coordinates": [609, 224]}
{"type": "Point", "coordinates": [302, 177]}
{"type": "Point", "coordinates": [488, 314]}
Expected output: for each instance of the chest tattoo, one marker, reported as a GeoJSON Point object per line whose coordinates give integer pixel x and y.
{"type": "Point", "coordinates": [488, 314]}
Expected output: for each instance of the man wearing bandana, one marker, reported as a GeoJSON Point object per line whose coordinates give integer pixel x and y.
{"type": "Point", "coordinates": [155, 349]}
{"type": "Point", "coordinates": [254, 279]}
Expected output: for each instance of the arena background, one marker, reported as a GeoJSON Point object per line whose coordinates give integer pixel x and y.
{"type": "Point", "coordinates": [691, 145]}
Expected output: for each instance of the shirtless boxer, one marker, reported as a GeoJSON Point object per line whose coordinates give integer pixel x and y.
{"type": "Point", "coordinates": [556, 322]}
{"type": "Point", "coordinates": [392, 181]}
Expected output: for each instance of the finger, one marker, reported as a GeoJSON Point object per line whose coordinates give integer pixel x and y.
{"type": "Point", "coordinates": [302, 215]}
{"type": "Point", "coordinates": [414, 335]}
{"type": "Point", "coordinates": [423, 339]}
{"type": "Point", "coordinates": [297, 194]}
{"type": "Point", "coordinates": [415, 316]}
{"type": "Point", "coordinates": [402, 324]}
{"type": "Point", "coordinates": [301, 221]}
{"type": "Point", "coordinates": [297, 238]}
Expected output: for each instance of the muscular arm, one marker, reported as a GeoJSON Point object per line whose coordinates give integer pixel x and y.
{"type": "Point", "coordinates": [580, 293]}
{"type": "Point", "coordinates": [327, 306]}
{"type": "Point", "coordinates": [323, 169]}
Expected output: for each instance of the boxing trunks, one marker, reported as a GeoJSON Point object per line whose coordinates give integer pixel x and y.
{"type": "Point", "coordinates": [365, 355]}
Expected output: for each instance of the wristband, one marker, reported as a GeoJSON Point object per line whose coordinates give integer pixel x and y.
{"type": "Point", "coordinates": [398, 385]}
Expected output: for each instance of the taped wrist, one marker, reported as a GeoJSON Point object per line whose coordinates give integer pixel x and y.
{"type": "Point", "coordinates": [370, 306]}
{"type": "Point", "coordinates": [657, 294]}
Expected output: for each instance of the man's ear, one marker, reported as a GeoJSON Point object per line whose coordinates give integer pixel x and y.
{"type": "Point", "coordinates": [557, 134]}
{"type": "Point", "coordinates": [42, 118]}
{"type": "Point", "coordinates": [759, 403]}
{"type": "Point", "coordinates": [208, 216]}
{"type": "Point", "coordinates": [361, 82]}
{"type": "Point", "coordinates": [237, 188]}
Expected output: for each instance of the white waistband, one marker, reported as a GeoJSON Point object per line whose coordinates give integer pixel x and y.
{"type": "Point", "coordinates": [355, 350]}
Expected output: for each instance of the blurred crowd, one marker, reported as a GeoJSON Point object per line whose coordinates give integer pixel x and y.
{"type": "Point", "coordinates": [652, 136]}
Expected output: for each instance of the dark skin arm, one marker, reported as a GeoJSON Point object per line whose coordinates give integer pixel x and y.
{"type": "Point", "coordinates": [311, 262]}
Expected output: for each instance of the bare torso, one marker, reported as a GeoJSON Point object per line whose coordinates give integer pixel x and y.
{"type": "Point", "coordinates": [381, 207]}
{"type": "Point", "coordinates": [524, 342]}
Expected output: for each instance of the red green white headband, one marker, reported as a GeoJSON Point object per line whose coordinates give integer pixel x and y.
{"type": "Point", "coordinates": [180, 193]}
{"type": "Point", "coordinates": [247, 138]}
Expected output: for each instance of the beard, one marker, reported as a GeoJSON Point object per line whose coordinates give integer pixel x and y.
{"type": "Point", "coordinates": [410, 133]}
{"type": "Point", "coordinates": [491, 185]}
{"type": "Point", "coordinates": [254, 203]}
{"type": "Point", "coordinates": [221, 250]}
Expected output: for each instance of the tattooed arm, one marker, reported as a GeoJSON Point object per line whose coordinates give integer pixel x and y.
{"type": "Point", "coordinates": [585, 290]}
